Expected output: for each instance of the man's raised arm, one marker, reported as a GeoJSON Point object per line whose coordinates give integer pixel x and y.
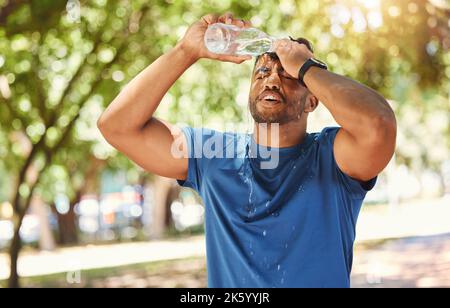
{"type": "Point", "coordinates": [366, 142]}
{"type": "Point", "coordinates": [128, 123]}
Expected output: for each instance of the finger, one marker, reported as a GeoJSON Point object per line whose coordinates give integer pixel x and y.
{"type": "Point", "coordinates": [226, 18]}
{"type": "Point", "coordinates": [210, 19]}
{"type": "Point", "coordinates": [239, 22]}
{"type": "Point", "coordinates": [281, 45]}
{"type": "Point", "coordinates": [247, 24]}
{"type": "Point", "coordinates": [235, 59]}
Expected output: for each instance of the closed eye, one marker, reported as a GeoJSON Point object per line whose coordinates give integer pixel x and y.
{"type": "Point", "coordinates": [263, 72]}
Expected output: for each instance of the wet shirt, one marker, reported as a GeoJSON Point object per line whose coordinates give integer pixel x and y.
{"type": "Point", "coordinates": [274, 217]}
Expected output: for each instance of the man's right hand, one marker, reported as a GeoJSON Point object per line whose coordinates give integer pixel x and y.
{"type": "Point", "coordinates": [193, 42]}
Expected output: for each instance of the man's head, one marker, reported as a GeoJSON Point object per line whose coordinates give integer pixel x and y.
{"type": "Point", "coordinates": [275, 96]}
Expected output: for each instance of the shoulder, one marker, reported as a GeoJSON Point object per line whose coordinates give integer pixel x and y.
{"type": "Point", "coordinates": [328, 134]}
{"type": "Point", "coordinates": [323, 141]}
{"type": "Point", "coordinates": [325, 144]}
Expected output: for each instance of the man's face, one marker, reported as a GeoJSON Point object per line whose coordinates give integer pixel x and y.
{"type": "Point", "coordinates": [275, 96]}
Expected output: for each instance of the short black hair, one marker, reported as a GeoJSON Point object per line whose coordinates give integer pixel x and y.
{"type": "Point", "coordinates": [274, 56]}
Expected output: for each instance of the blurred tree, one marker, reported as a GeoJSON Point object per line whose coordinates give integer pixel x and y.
{"type": "Point", "coordinates": [58, 70]}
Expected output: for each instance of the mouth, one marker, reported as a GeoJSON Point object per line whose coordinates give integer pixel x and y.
{"type": "Point", "coordinates": [270, 98]}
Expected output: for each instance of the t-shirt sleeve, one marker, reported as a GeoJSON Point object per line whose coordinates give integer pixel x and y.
{"type": "Point", "coordinates": [196, 165]}
{"type": "Point", "coordinates": [356, 188]}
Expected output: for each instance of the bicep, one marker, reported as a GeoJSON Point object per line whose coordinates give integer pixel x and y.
{"type": "Point", "coordinates": [159, 147]}
{"type": "Point", "coordinates": [362, 160]}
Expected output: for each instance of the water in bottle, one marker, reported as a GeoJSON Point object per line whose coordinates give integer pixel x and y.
{"type": "Point", "coordinates": [231, 40]}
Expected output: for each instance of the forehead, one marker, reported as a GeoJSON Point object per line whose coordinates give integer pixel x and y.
{"type": "Point", "coordinates": [267, 60]}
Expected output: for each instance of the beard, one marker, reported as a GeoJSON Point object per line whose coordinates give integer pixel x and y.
{"type": "Point", "coordinates": [290, 111]}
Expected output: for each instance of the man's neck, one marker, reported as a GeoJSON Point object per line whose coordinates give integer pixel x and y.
{"type": "Point", "coordinates": [280, 136]}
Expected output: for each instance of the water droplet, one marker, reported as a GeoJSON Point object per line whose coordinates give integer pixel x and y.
{"type": "Point", "coordinates": [252, 252]}
{"type": "Point", "coordinates": [282, 280]}
{"type": "Point", "coordinates": [264, 233]}
{"type": "Point", "coordinates": [267, 203]}
{"type": "Point", "coordinates": [275, 214]}
{"type": "Point", "coordinates": [295, 167]}
{"type": "Point", "coordinates": [286, 245]}
{"type": "Point", "coordinates": [278, 267]}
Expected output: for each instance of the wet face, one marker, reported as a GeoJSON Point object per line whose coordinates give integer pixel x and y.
{"type": "Point", "coordinates": [275, 96]}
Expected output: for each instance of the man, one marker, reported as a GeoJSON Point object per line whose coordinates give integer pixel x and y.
{"type": "Point", "coordinates": [291, 224]}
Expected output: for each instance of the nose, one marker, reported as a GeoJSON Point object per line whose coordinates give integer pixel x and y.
{"type": "Point", "coordinates": [273, 82]}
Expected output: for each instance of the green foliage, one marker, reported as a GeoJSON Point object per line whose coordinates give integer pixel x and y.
{"type": "Point", "coordinates": [60, 74]}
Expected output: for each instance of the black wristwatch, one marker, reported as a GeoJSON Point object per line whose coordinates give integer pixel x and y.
{"type": "Point", "coordinates": [307, 65]}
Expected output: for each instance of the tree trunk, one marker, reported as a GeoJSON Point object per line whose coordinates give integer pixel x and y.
{"type": "Point", "coordinates": [67, 227]}
{"type": "Point", "coordinates": [67, 223]}
{"type": "Point", "coordinates": [161, 191]}
{"type": "Point", "coordinates": [46, 238]}
{"type": "Point", "coordinates": [172, 195]}
{"type": "Point", "coordinates": [14, 249]}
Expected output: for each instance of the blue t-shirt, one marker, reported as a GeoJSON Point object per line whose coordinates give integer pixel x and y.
{"type": "Point", "coordinates": [288, 226]}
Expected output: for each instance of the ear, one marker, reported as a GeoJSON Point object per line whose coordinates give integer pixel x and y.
{"type": "Point", "coordinates": [311, 103]}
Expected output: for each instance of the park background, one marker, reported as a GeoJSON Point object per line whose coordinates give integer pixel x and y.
{"type": "Point", "coordinates": [74, 212]}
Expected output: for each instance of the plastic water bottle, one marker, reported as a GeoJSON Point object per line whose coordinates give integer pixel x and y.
{"type": "Point", "coordinates": [231, 40]}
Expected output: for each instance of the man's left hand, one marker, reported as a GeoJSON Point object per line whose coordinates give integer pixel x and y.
{"type": "Point", "coordinates": [292, 55]}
